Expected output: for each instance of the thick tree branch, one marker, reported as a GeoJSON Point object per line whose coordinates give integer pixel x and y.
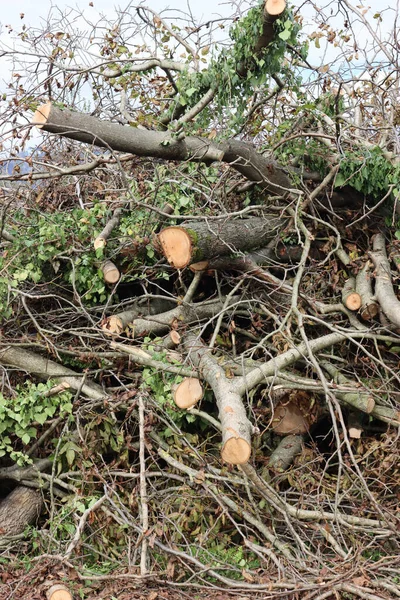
{"type": "Point", "coordinates": [90, 130]}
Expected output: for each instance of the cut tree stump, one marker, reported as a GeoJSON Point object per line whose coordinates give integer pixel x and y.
{"type": "Point", "coordinates": [188, 392]}
{"type": "Point", "coordinates": [199, 241]}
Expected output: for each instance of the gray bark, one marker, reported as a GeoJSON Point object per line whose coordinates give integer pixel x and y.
{"type": "Point", "coordinates": [90, 130]}
{"type": "Point", "coordinates": [24, 360]}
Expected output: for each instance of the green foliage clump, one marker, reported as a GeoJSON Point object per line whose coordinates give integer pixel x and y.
{"type": "Point", "coordinates": [55, 248]}
{"type": "Point", "coordinates": [21, 415]}
{"type": "Point", "coordinates": [223, 74]}
{"type": "Point", "coordinates": [369, 172]}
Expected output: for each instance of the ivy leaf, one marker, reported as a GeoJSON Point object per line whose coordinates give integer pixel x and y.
{"type": "Point", "coordinates": [26, 438]}
{"type": "Point", "coordinates": [339, 180]}
{"type": "Point", "coordinates": [189, 93]}
{"type": "Point", "coordinates": [284, 35]}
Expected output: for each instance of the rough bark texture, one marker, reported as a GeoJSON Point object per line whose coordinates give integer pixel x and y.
{"type": "Point", "coordinates": [383, 285]}
{"type": "Point", "coordinates": [198, 241]}
{"type": "Point", "coordinates": [20, 508]}
{"type": "Point", "coordinates": [90, 130]}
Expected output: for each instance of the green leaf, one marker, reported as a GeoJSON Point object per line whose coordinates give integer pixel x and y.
{"type": "Point", "coordinates": [339, 180]}
{"type": "Point", "coordinates": [26, 438]}
{"type": "Point", "coordinates": [70, 454]}
{"type": "Point", "coordinates": [285, 35]}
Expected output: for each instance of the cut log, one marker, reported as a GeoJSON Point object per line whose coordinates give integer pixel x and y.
{"type": "Point", "coordinates": [369, 307]}
{"type": "Point", "coordinates": [350, 298]}
{"type": "Point", "coordinates": [20, 508]}
{"type": "Point", "coordinates": [361, 400]}
{"type": "Point", "coordinates": [58, 592]}
{"type": "Point", "coordinates": [111, 273]}
{"type": "Point", "coordinates": [241, 156]}
{"type": "Point", "coordinates": [383, 281]}
{"type": "Point", "coordinates": [171, 340]}
{"type": "Point", "coordinates": [188, 392]}
{"type": "Point", "coordinates": [235, 425]}
{"type": "Point", "coordinates": [289, 419]}
{"type": "Point", "coordinates": [199, 241]}
{"type": "Point", "coordinates": [182, 314]}
{"type": "Point", "coordinates": [101, 240]}
{"type": "Point", "coordinates": [47, 369]}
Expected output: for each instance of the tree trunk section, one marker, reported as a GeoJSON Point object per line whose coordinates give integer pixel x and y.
{"type": "Point", "coordinates": [284, 454]}
{"type": "Point", "coordinates": [20, 508]}
{"type": "Point", "coordinates": [199, 241]}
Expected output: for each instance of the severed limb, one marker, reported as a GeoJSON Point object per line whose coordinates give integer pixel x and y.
{"type": "Point", "coordinates": [369, 307]}
{"type": "Point", "coordinates": [286, 451]}
{"type": "Point", "coordinates": [350, 298]}
{"type": "Point", "coordinates": [25, 360]}
{"type": "Point", "coordinates": [101, 240]}
{"type": "Point", "coordinates": [362, 400]}
{"type": "Point", "coordinates": [273, 9]}
{"type": "Point", "coordinates": [161, 323]}
{"type": "Point", "coordinates": [236, 427]}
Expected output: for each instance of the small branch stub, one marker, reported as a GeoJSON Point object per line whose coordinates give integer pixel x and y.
{"type": "Point", "coordinates": [351, 299]}
{"type": "Point", "coordinates": [59, 592]}
{"type": "Point", "coordinates": [188, 392]}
